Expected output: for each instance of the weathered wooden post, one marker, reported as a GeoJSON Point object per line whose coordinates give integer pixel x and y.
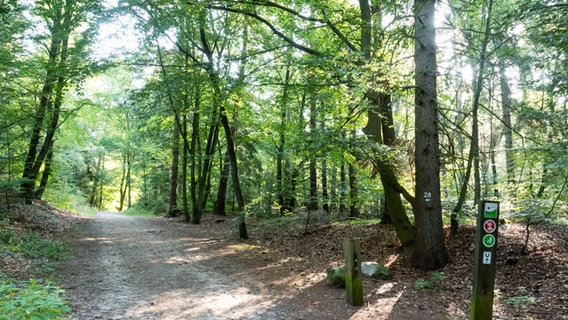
{"type": "Point", "coordinates": [353, 274]}
{"type": "Point", "coordinates": [485, 261]}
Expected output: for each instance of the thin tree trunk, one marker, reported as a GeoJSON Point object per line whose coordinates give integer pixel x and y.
{"type": "Point", "coordinates": [184, 169]}
{"type": "Point", "coordinates": [354, 201]}
{"type": "Point", "coordinates": [313, 197]}
{"type": "Point", "coordinates": [281, 159]}
{"type": "Point", "coordinates": [174, 175]}
{"type": "Point", "coordinates": [96, 177]}
{"type": "Point", "coordinates": [507, 125]}
{"type": "Point", "coordinates": [101, 184]}
{"type": "Point", "coordinates": [129, 179]}
{"type": "Point", "coordinates": [342, 187]}
{"type": "Point", "coordinates": [473, 158]}
{"type": "Point", "coordinates": [46, 173]}
{"type": "Point", "coordinates": [193, 151]}
{"type": "Point", "coordinates": [219, 105]}
{"type": "Point", "coordinates": [223, 184]}
{"type": "Point", "coordinates": [324, 188]}
{"type": "Point", "coordinates": [122, 187]}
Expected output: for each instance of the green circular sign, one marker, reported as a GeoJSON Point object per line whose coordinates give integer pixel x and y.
{"type": "Point", "coordinates": [489, 240]}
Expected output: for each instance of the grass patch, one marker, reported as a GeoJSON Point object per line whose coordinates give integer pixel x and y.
{"type": "Point", "coordinates": [139, 212]}
{"type": "Point", "coordinates": [358, 221]}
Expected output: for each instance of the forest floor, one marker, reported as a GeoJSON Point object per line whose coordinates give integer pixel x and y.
{"type": "Point", "coordinates": [158, 268]}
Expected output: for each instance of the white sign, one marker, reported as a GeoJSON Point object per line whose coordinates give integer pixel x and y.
{"type": "Point", "coordinates": [490, 206]}
{"type": "Point", "coordinates": [486, 257]}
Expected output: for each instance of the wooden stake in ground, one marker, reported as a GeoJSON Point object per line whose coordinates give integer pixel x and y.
{"type": "Point", "coordinates": [485, 261]}
{"type": "Point", "coordinates": [353, 274]}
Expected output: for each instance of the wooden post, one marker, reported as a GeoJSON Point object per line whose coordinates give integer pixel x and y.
{"type": "Point", "coordinates": [353, 275]}
{"type": "Point", "coordinates": [485, 261]}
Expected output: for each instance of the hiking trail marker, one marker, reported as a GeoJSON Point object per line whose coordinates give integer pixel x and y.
{"type": "Point", "coordinates": [485, 261]}
{"type": "Point", "coordinates": [353, 272]}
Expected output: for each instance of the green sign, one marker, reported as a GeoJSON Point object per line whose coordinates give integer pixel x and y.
{"type": "Point", "coordinates": [485, 261]}
{"type": "Point", "coordinates": [490, 210]}
{"type": "Point", "coordinates": [488, 240]}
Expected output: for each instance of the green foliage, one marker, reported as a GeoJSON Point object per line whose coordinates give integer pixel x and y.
{"type": "Point", "coordinates": [435, 279]}
{"type": "Point", "coordinates": [137, 211]}
{"type": "Point", "coordinates": [358, 221]}
{"type": "Point", "coordinates": [46, 252]}
{"type": "Point", "coordinates": [522, 299]}
{"type": "Point", "coordinates": [31, 300]}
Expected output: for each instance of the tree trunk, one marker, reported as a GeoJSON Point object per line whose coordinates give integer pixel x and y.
{"type": "Point", "coordinates": [174, 172]}
{"type": "Point", "coordinates": [354, 201]}
{"type": "Point", "coordinates": [223, 184]}
{"type": "Point", "coordinates": [129, 180]}
{"type": "Point", "coordinates": [46, 173]}
{"type": "Point", "coordinates": [507, 125]}
{"type": "Point", "coordinates": [282, 163]}
{"type": "Point", "coordinates": [28, 178]}
{"type": "Point", "coordinates": [184, 199]}
{"type": "Point", "coordinates": [193, 151]}
{"type": "Point", "coordinates": [342, 187]}
{"type": "Point", "coordinates": [324, 189]}
{"type": "Point", "coordinates": [473, 158]}
{"type": "Point", "coordinates": [375, 130]}
{"type": "Point", "coordinates": [430, 251]}
{"type": "Point", "coordinates": [101, 185]}
{"type": "Point", "coordinates": [96, 178]}
{"type": "Point", "coordinates": [313, 204]}
{"type": "Point", "coordinates": [219, 105]}
{"type": "Point", "coordinates": [122, 188]}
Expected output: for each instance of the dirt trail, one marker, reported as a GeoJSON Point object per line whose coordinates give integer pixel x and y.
{"type": "Point", "coordinates": [134, 268]}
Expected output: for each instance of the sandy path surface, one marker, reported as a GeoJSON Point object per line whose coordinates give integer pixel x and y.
{"type": "Point", "coordinates": [134, 268]}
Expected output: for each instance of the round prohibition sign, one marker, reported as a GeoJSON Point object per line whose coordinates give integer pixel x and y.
{"type": "Point", "coordinates": [489, 226]}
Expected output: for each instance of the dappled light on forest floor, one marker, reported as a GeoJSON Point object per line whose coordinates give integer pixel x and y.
{"type": "Point", "coordinates": [170, 275]}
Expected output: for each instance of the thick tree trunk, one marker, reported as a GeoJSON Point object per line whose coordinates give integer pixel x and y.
{"type": "Point", "coordinates": [430, 250]}
{"type": "Point", "coordinates": [375, 130]}
{"type": "Point", "coordinates": [28, 177]}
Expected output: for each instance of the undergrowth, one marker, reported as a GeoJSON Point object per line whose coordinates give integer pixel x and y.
{"type": "Point", "coordinates": [31, 299]}
{"type": "Point", "coordinates": [35, 242]}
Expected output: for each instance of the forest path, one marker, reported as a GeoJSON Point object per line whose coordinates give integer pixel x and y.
{"type": "Point", "coordinates": [135, 268]}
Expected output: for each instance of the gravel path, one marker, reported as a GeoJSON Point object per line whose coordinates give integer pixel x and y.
{"type": "Point", "coordinates": [134, 268]}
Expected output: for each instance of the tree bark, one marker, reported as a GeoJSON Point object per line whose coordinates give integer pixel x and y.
{"type": "Point", "coordinates": [313, 198]}
{"type": "Point", "coordinates": [375, 129]}
{"type": "Point", "coordinates": [507, 124]}
{"type": "Point", "coordinates": [174, 171]}
{"type": "Point", "coordinates": [219, 105]}
{"type": "Point", "coordinates": [430, 251]}
{"type": "Point", "coordinates": [223, 184]}
{"type": "Point", "coordinates": [354, 201]}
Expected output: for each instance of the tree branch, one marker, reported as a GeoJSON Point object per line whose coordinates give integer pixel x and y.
{"type": "Point", "coordinates": [271, 27]}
